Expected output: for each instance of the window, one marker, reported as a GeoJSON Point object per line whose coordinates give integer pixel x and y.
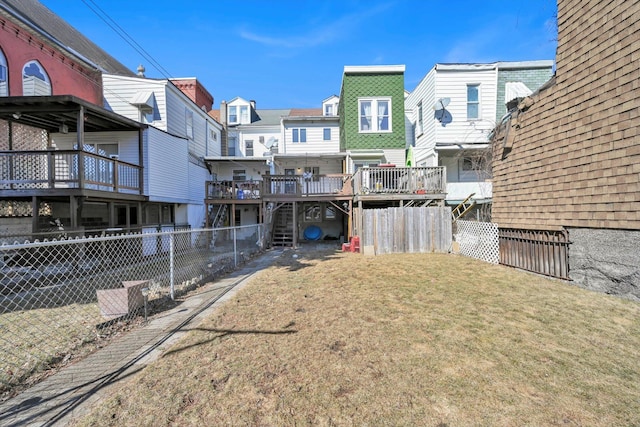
{"type": "Point", "coordinates": [311, 173]}
{"type": "Point", "coordinates": [326, 134]}
{"type": "Point", "coordinates": [328, 110]}
{"type": "Point", "coordinates": [231, 147]}
{"type": "Point", "coordinates": [261, 140]}
{"type": "Point", "coordinates": [35, 81]}
{"type": "Point", "coordinates": [473, 102]}
{"type": "Point", "coordinates": [213, 135]}
{"type": "Point", "coordinates": [188, 123]}
{"type": "Point", "coordinates": [299, 135]}
{"type": "Point", "coordinates": [238, 218]}
{"type": "Point", "coordinates": [248, 148]}
{"type": "Point", "coordinates": [233, 114]}
{"type": "Point", "coordinates": [239, 174]}
{"type": "Point", "coordinates": [375, 115]}
{"type": "Point", "coordinates": [419, 128]}
{"type": "Point", "coordinates": [4, 86]}
{"type": "Point", "coordinates": [244, 114]}
{"type": "Point", "coordinates": [312, 213]}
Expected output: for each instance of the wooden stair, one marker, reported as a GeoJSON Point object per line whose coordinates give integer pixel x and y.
{"type": "Point", "coordinates": [282, 235]}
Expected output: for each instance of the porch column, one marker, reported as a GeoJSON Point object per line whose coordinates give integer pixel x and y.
{"type": "Point", "coordinates": [74, 212]}
{"type": "Point", "coordinates": [295, 224]}
{"type": "Point", "coordinates": [140, 160]}
{"type": "Point", "coordinates": [80, 144]}
{"type": "Point", "coordinates": [35, 213]}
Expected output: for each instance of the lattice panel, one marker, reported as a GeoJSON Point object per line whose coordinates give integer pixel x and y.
{"type": "Point", "coordinates": [4, 135]}
{"type": "Point", "coordinates": [15, 208]}
{"type": "Point", "coordinates": [27, 138]}
{"type": "Point", "coordinates": [479, 240]}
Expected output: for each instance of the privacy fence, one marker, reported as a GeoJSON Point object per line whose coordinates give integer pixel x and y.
{"type": "Point", "coordinates": [405, 230]}
{"type": "Point", "coordinates": [56, 296]}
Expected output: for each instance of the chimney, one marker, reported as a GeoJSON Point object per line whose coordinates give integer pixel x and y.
{"type": "Point", "coordinates": [223, 112]}
{"type": "Point", "coordinates": [141, 71]}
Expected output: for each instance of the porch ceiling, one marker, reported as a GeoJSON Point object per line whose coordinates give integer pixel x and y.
{"type": "Point", "coordinates": [50, 112]}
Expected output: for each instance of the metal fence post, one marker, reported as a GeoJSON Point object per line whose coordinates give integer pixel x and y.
{"type": "Point", "coordinates": [235, 247]}
{"type": "Point", "coordinates": [171, 265]}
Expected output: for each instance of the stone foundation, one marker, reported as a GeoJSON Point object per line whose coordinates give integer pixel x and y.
{"type": "Point", "coordinates": [606, 261]}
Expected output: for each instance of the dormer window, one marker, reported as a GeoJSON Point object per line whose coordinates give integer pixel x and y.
{"type": "Point", "coordinates": [244, 114]}
{"type": "Point", "coordinates": [328, 110]}
{"type": "Point", "coordinates": [233, 114]}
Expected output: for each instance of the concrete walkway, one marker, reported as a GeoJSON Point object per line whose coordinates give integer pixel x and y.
{"type": "Point", "coordinates": [71, 392]}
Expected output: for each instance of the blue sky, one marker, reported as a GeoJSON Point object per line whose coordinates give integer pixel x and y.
{"type": "Point", "coordinates": [291, 54]}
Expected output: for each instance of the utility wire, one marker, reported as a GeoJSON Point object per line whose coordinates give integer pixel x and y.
{"type": "Point", "coordinates": [104, 16]}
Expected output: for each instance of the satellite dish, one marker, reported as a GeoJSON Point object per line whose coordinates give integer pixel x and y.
{"type": "Point", "coordinates": [271, 142]}
{"type": "Point", "coordinates": [441, 104]}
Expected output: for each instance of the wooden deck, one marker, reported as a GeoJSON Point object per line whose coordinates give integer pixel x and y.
{"type": "Point", "coordinates": [58, 171]}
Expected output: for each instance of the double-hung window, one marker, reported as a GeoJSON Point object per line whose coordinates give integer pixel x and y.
{"type": "Point", "coordinates": [473, 102]}
{"type": "Point", "coordinates": [233, 114]}
{"type": "Point", "coordinates": [299, 135]}
{"type": "Point", "coordinates": [248, 147]}
{"type": "Point", "coordinates": [374, 115]}
{"type": "Point", "coordinates": [326, 134]}
{"type": "Point", "coordinates": [244, 114]}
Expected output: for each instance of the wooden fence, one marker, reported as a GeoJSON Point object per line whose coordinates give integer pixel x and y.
{"type": "Point", "coordinates": [405, 230]}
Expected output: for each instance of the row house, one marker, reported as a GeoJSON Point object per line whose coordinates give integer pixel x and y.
{"type": "Point", "coordinates": [88, 142]}
{"type": "Point", "coordinates": [316, 169]}
{"type": "Point", "coordinates": [452, 112]}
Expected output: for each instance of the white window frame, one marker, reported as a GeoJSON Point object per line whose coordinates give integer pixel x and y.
{"type": "Point", "coordinates": [188, 123]}
{"type": "Point", "coordinates": [248, 147]}
{"type": "Point", "coordinates": [326, 131]}
{"type": "Point", "coordinates": [420, 127]}
{"type": "Point", "coordinates": [477, 86]}
{"type": "Point", "coordinates": [233, 108]}
{"type": "Point", "coordinates": [243, 114]}
{"type": "Point", "coordinates": [374, 115]}
{"type": "Point", "coordinates": [299, 135]}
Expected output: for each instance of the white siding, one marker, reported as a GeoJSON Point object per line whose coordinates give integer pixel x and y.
{"type": "Point", "coordinates": [127, 142]}
{"type": "Point", "coordinates": [315, 142]}
{"type": "Point", "coordinates": [453, 85]}
{"type": "Point", "coordinates": [254, 170]}
{"type": "Point", "coordinates": [254, 134]}
{"type": "Point", "coordinates": [166, 175]}
{"type": "Point", "coordinates": [119, 91]}
{"type": "Point", "coordinates": [326, 165]}
{"type": "Point", "coordinates": [425, 138]}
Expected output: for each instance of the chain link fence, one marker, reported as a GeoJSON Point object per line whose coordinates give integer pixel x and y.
{"type": "Point", "coordinates": [58, 296]}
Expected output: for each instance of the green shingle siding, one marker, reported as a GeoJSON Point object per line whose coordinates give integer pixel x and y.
{"type": "Point", "coordinates": [533, 78]}
{"type": "Point", "coordinates": [356, 86]}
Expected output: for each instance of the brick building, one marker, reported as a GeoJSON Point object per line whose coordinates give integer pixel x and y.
{"type": "Point", "coordinates": [569, 158]}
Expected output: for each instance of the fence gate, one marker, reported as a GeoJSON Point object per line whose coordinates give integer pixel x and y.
{"type": "Point", "coordinates": [406, 230]}
{"type": "Point", "coordinates": [540, 251]}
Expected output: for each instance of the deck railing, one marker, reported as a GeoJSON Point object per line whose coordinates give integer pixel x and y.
{"type": "Point", "coordinates": [281, 185]}
{"type": "Point", "coordinates": [58, 169]}
{"type": "Point", "coordinates": [420, 180]}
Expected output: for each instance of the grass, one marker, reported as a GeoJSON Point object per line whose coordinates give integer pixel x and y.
{"type": "Point", "coordinates": [420, 339]}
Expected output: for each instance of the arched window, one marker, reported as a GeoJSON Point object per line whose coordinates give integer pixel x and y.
{"type": "Point", "coordinates": [35, 80]}
{"type": "Point", "coordinates": [4, 75]}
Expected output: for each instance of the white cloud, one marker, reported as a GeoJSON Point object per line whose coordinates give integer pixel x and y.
{"type": "Point", "coordinates": [317, 36]}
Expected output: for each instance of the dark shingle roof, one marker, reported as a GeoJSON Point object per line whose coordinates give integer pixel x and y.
{"type": "Point", "coordinates": [35, 14]}
{"type": "Point", "coordinates": [268, 117]}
